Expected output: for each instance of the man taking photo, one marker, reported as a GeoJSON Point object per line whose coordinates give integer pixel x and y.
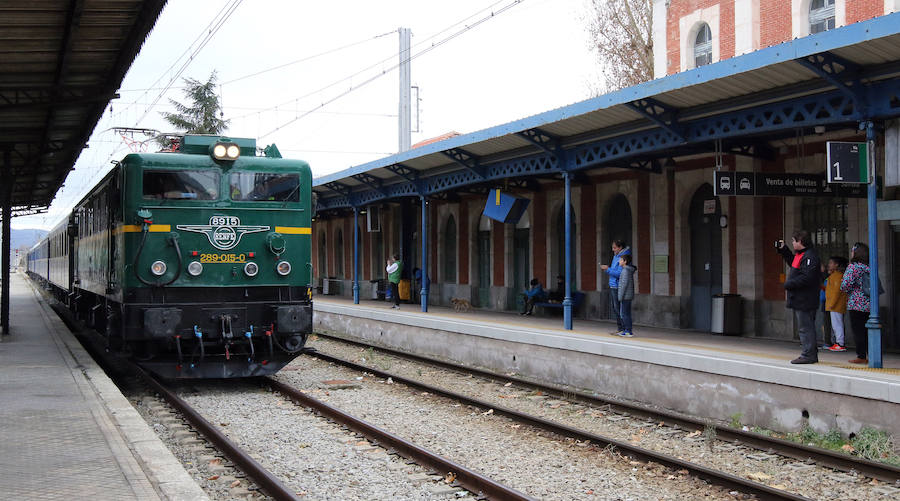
{"type": "Point", "coordinates": [802, 286]}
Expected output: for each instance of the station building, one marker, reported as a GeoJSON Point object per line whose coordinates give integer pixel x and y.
{"type": "Point", "coordinates": [735, 92]}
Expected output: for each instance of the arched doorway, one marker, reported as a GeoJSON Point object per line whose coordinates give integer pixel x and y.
{"type": "Point", "coordinates": [617, 222]}
{"type": "Point", "coordinates": [706, 254]}
{"type": "Point", "coordinates": [521, 261]}
{"type": "Point", "coordinates": [483, 257]}
{"type": "Point", "coordinates": [561, 248]}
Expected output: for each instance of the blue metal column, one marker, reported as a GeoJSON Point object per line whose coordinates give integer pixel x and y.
{"type": "Point", "coordinates": [567, 301]}
{"type": "Point", "coordinates": [423, 294]}
{"type": "Point", "coordinates": [356, 255]}
{"type": "Point", "coordinates": [874, 322]}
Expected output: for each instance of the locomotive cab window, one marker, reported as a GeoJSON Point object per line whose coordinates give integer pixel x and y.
{"type": "Point", "coordinates": [181, 185]}
{"type": "Point", "coordinates": [265, 187]}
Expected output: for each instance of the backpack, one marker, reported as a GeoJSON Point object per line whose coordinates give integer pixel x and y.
{"type": "Point", "coordinates": [865, 282]}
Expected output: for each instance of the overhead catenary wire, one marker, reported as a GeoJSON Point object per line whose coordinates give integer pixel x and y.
{"type": "Point", "coordinates": [175, 61]}
{"type": "Point", "coordinates": [369, 80]}
{"type": "Point", "coordinates": [395, 54]}
{"type": "Point", "coordinates": [209, 36]}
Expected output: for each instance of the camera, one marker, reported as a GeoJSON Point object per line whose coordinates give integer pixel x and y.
{"type": "Point", "coordinates": [779, 244]}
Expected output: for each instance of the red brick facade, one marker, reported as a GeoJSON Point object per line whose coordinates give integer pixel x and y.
{"type": "Point", "coordinates": [775, 24]}
{"type": "Point", "coordinates": [588, 215]}
{"type": "Point", "coordinates": [860, 10]}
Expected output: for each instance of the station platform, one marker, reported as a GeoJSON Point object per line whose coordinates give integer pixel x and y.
{"type": "Point", "coordinates": [66, 432]}
{"type": "Point", "coordinates": [693, 372]}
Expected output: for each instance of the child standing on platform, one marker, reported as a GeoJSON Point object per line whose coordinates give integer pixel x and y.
{"type": "Point", "coordinates": [836, 301]}
{"type": "Point", "coordinates": [626, 293]}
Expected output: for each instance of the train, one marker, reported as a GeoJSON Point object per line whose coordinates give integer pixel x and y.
{"type": "Point", "coordinates": [194, 262]}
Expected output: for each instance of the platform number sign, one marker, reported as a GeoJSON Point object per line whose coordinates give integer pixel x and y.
{"type": "Point", "coordinates": [848, 162]}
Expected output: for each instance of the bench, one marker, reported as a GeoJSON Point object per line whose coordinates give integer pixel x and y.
{"type": "Point", "coordinates": [577, 299]}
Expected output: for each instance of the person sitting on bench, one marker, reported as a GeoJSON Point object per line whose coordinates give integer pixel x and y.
{"type": "Point", "coordinates": [533, 295]}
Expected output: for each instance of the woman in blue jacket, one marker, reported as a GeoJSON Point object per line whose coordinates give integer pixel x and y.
{"type": "Point", "coordinates": [614, 270]}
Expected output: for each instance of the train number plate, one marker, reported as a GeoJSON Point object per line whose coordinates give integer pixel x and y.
{"type": "Point", "coordinates": [223, 258]}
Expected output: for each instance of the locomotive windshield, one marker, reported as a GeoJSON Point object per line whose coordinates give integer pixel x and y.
{"type": "Point", "coordinates": [265, 186]}
{"type": "Point", "coordinates": [181, 185]}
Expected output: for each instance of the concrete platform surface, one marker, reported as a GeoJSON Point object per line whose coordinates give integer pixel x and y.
{"type": "Point", "coordinates": [66, 432]}
{"type": "Point", "coordinates": [654, 366]}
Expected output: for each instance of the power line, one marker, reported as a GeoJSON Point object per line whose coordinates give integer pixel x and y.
{"type": "Point", "coordinates": [395, 54]}
{"type": "Point", "coordinates": [209, 36]}
{"type": "Point", "coordinates": [176, 60]}
{"type": "Point", "coordinates": [384, 72]}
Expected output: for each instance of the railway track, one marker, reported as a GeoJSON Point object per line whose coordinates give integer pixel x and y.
{"type": "Point", "coordinates": [471, 480]}
{"type": "Point", "coordinates": [799, 452]}
{"type": "Point", "coordinates": [480, 485]}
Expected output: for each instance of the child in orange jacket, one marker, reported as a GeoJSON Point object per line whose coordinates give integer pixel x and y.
{"type": "Point", "coordinates": [836, 301]}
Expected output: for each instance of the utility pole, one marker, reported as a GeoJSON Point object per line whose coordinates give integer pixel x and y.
{"type": "Point", "coordinates": [405, 108]}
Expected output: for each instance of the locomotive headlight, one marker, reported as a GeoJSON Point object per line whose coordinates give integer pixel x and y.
{"type": "Point", "coordinates": [225, 151]}
{"type": "Point", "coordinates": [195, 268]}
{"type": "Point", "coordinates": [283, 268]}
{"type": "Point", "coordinates": [158, 268]}
{"type": "Point", "coordinates": [251, 269]}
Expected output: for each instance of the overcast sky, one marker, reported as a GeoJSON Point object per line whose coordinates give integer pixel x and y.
{"type": "Point", "coordinates": [526, 58]}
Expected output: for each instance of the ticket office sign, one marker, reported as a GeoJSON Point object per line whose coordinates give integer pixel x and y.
{"type": "Point", "coordinates": [780, 184]}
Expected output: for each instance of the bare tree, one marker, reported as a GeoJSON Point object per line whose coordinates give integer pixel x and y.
{"type": "Point", "coordinates": [621, 34]}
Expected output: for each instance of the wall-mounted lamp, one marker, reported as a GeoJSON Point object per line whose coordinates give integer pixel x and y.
{"type": "Point", "coordinates": [723, 221]}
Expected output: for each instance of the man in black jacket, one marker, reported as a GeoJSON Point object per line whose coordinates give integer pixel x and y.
{"type": "Point", "coordinates": [803, 284]}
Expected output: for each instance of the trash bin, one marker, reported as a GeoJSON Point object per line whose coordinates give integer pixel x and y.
{"type": "Point", "coordinates": [726, 314]}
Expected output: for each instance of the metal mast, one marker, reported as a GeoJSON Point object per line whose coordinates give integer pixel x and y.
{"type": "Point", "coordinates": [405, 108]}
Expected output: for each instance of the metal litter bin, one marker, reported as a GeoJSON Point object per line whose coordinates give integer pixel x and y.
{"type": "Point", "coordinates": [726, 314]}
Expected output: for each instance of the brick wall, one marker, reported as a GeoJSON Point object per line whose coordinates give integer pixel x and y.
{"type": "Point", "coordinates": [724, 38]}
{"type": "Point", "coordinates": [588, 214]}
{"type": "Point", "coordinates": [498, 237]}
{"type": "Point", "coordinates": [643, 233]}
{"type": "Point", "coordinates": [462, 239]}
{"type": "Point", "coordinates": [775, 22]}
{"type": "Point", "coordinates": [860, 10]}
{"type": "Point", "coordinates": [539, 236]}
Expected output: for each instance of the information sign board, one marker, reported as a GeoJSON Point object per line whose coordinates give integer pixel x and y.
{"type": "Point", "coordinates": [780, 184]}
{"type": "Point", "coordinates": [848, 162]}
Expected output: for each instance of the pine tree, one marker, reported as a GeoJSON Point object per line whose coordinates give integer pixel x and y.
{"type": "Point", "coordinates": [203, 115]}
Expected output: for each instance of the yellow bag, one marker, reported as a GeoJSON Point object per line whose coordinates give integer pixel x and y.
{"type": "Point", "coordinates": [403, 287]}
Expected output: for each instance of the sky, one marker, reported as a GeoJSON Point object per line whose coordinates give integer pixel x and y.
{"type": "Point", "coordinates": [320, 79]}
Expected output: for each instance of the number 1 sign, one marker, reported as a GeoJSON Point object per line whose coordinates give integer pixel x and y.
{"type": "Point", "coordinates": [848, 162]}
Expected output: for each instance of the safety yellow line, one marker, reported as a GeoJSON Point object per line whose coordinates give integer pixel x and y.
{"type": "Point", "coordinates": [293, 230]}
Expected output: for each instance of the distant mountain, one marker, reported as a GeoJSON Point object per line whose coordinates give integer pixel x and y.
{"type": "Point", "coordinates": [25, 237]}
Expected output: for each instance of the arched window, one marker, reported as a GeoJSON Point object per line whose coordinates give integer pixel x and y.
{"type": "Point", "coordinates": [339, 254]}
{"type": "Point", "coordinates": [703, 46]}
{"type": "Point", "coordinates": [449, 251]}
{"type": "Point", "coordinates": [821, 16]}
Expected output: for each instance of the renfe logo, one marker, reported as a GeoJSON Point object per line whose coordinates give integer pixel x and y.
{"type": "Point", "coordinates": [223, 232]}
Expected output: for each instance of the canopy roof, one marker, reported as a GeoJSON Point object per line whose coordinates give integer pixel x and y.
{"type": "Point", "coordinates": [834, 79]}
{"type": "Point", "coordinates": [61, 62]}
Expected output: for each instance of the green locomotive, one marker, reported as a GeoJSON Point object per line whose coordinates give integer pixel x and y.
{"type": "Point", "coordinates": [195, 262]}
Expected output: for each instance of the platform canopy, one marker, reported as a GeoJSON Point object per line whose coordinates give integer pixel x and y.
{"type": "Point", "coordinates": [61, 62]}
{"type": "Point", "coordinates": [835, 79]}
